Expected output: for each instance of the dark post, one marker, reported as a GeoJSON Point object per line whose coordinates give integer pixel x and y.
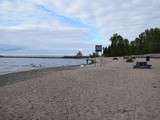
{"type": "Point", "coordinates": [148, 58]}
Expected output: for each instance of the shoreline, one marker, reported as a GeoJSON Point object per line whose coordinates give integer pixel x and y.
{"type": "Point", "coordinates": [11, 78]}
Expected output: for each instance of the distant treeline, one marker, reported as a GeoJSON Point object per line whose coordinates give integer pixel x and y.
{"type": "Point", "coordinates": [147, 42]}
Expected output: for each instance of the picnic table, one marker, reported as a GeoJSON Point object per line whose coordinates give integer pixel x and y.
{"type": "Point", "coordinates": [142, 65]}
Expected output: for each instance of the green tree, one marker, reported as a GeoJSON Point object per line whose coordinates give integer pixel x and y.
{"type": "Point", "coordinates": [147, 42]}
{"type": "Point", "coordinates": [119, 46]}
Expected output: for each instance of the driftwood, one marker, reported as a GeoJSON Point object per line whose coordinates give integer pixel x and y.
{"type": "Point", "coordinates": [115, 58]}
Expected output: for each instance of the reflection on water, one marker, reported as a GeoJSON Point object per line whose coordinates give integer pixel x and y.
{"type": "Point", "coordinates": [9, 65]}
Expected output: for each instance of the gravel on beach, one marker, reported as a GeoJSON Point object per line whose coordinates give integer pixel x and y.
{"type": "Point", "coordinates": [114, 91]}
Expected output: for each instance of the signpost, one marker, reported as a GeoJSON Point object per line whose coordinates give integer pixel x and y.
{"type": "Point", "coordinates": [98, 48]}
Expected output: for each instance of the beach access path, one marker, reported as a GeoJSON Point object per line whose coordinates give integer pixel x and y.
{"type": "Point", "coordinates": [114, 91]}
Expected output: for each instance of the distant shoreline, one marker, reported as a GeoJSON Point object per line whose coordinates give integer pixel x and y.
{"type": "Point", "coordinates": [46, 57]}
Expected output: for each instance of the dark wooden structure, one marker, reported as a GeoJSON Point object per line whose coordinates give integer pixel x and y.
{"type": "Point", "coordinates": [143, 65]}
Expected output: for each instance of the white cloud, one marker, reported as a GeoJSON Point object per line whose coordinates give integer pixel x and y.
{"type": "Point", "coordinates": [48, 40]}
{"type": "Point", "coordinates": [127, 17]}
{"type": "Point", "coordinates": [110, 16]}
{"type": "Point", "coordinates": [15, 6]}
{"type": "Point", "coordinates": [107, 16]}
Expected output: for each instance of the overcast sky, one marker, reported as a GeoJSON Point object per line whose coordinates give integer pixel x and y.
{"type": "Point", "coordinates": [62, 27]}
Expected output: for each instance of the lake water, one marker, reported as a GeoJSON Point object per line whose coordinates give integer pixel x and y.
{"type": "Point", "coordinates": [10, 65]}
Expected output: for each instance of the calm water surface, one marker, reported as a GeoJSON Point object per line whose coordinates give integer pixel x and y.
{"type": "Point", "coordinates": [9, 65]}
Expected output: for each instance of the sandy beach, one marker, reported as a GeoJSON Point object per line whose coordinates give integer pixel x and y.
{"type": "Point", "coordinates": [114, 91]}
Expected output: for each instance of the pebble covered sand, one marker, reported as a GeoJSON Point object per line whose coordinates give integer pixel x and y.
{"type": "Point", "coordinates": [114, 91]}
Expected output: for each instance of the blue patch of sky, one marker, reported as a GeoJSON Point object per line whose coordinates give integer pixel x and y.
{"type": "Point", "coordinates": [74, 22]}
{"type": "Point", "coordinates": [70, 21]}
{"type": "Point", "coordinates": [46, 13]}
{"type": "Point", "coordinates": [13, 19]}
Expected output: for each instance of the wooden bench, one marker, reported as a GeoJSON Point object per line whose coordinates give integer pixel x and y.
{"type": "Point", "coordinates": [143, 65]}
